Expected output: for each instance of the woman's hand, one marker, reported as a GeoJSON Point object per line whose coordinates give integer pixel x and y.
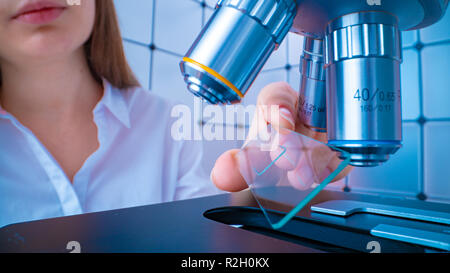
{"type": "Point", "coordinates": [226, 175]}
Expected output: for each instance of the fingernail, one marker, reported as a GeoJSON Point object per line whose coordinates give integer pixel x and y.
{"type": "Point", "coordinates": [286, 114]}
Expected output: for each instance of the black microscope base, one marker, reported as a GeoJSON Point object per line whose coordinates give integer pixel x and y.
{"type": "Point", "coordinates": [209, 225]}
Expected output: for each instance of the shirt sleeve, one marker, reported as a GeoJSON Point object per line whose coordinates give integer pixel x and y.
{"type": "Point", "coordinates": [193, 181]}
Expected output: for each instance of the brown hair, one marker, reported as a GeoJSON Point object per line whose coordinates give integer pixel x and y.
{"type": "Point", "coordinates": [104, 49]}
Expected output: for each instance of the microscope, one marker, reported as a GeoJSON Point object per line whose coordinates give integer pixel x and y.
{"type": "Point", "coordinates": [349, 89]}
{"type": "Point", "coordinates": [349, 65]}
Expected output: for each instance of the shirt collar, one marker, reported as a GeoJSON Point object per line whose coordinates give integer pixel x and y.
{"type": "Point", "coordinates": [114, 100]}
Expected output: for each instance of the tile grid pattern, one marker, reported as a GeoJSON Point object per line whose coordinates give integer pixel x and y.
{"type": "Point", "coordinates": [420, 122]}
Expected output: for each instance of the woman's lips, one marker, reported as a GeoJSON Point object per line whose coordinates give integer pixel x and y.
{"type": "Point", "coordinates": [39, 13]}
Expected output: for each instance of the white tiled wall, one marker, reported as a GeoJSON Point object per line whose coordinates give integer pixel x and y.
{"type": "Point", "coordinates": [437, 170]}
{"type": "Point", "coordinates": [176, 22]}
{"type": "Point", "coordinates": [436, 81]}
{"type": "Point", "coordinates": [136, 19]}
{"type": "Point", "coordinates": [140, 59]}
{"type": "Point", "coordinates": [158, 32]}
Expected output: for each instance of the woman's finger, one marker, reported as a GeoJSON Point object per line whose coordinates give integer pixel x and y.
{"type": "Point", "coordinates": [315, 166]}
{"type": "Point", "coordinates": [288, 152]}
{"type": "Point", "coordinates": [279, 96]}
{"type": "Point", "coordinates": [303, 169]}
{"type": "Point", "coordinates": [226, 175]}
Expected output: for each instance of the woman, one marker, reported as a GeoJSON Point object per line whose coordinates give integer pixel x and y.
{"type": "Point", "coordinates": [77, 132]}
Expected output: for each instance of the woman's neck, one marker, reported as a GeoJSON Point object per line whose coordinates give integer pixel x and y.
{"type": "Point", "coordinates": [57, 88]}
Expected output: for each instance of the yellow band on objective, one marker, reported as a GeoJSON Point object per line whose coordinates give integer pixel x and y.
{"type": "Point", "coordinates": [215, 74]}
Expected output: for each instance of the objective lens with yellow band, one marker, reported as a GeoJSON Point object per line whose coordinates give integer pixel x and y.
{"type": "Point", "coordinates": [233, 47]}
{"type": "Point", "coordinates": [215, 74]}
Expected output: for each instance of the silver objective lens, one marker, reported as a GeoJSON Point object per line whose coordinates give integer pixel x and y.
{"type": "Point", "coordinates": [362, 64]}
{"type": "Point", "coordinates": [312, 100]}
{"type": "Point", "coordinates": [234, 45]}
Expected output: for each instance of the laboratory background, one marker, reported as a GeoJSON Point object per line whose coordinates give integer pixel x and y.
{"type": "Point", "coordinates": [157, 34]}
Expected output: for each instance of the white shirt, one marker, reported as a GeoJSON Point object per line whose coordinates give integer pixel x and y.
{"type": "Point", "coordinates": [137, 163]}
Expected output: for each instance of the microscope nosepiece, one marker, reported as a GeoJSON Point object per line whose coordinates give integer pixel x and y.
{"type": "Point", "coordinates": [362, 63]}
{"type": "Point", "coordinates": [233, 47]}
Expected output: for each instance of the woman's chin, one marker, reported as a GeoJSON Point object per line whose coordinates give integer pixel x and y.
{"type": "Point", "coordinates": [51, 48]}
